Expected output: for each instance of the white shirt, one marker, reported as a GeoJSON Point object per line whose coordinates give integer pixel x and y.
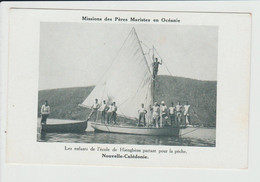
{"type": "Point", "coordinates": [103, 107]}
{"type": "Point", "coordinates": [171, 109]}
{"type": "Point", "coordinates": [110, 109]}
{"type": "Point", "coordinates": [142, 110]}
{"type": "Point", "coordinates": [95, 106]}
{"type": "Point", "coordinates": [178, 108]}
{"type": "Point", "coordinates": [156, 110]}
{"type": "Point", "coordinates": [163, 108]}
{"type": "Point", "coordinates": [45, 109]}
{"type": "Point", "coordinates": [186, 109]}
{"type": "Point", "coordinates": [114, 108]}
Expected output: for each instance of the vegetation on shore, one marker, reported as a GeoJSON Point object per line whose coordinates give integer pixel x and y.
{"type": "Point", "coordinates": [201, 95]}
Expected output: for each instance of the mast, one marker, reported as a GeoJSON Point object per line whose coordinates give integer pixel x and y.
{"type": "Point", "coordinates": [153, 79]}
{"type": "Point", "coordinates": [133, 29]}
{"type": "Point", "coordinates": [151, 73]}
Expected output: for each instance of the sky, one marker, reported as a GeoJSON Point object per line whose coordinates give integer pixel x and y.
{"type": "Point", "coordinates": [78, 54]}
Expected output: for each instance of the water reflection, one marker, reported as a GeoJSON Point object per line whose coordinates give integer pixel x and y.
{"type": "Point", "coordinates": [111, 138]}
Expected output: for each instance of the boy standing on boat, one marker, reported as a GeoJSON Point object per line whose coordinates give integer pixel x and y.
{"type": "Point", "coordinates": [94, 110]}
{"type": "Point", "coordinates": [164, 116]}
{"type": "Point", "coordinates": [114, 115]}
{"type": "Point", "coordinates": [104, 109]}
{"type": "Point", "coordinates": [178, 113]}
{"type": "Point", "coordinates": [156, 115]}
{"type": "Point", "coordinates": [186, 109]}
{"type": "Point", "coordinates": [109, 113]}
{"type": "Point", "coordinates": [172, 114]}
{"type": "Point", "coordinates": [45, 111]}
{"type": "Point", "coordinates": [142, 113]}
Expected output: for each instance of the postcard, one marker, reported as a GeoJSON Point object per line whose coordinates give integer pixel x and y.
{"type": "Point", "coordinates": [128, 88]}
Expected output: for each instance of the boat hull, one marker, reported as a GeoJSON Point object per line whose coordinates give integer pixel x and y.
{"type": "Point", "coordinates": [167, 131]}
{"type": "Point", "coordinates": [65, 128]}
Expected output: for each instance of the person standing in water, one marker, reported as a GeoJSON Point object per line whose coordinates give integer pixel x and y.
{"type": "Point", "coordinates": [45, 111]}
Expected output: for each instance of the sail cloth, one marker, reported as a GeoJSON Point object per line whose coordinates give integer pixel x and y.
{"type": "Point", "coordinates": [127, 82]}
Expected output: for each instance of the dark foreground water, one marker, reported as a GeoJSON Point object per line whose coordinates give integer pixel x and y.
{"type": "Point", "coordinates": [203, 137]}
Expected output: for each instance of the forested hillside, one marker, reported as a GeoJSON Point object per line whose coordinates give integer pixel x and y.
{"type": "Point", "coordinates": [201, 95]}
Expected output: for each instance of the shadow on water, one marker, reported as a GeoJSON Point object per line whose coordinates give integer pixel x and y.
{"type": "Point", "coordinates": [42, 135]}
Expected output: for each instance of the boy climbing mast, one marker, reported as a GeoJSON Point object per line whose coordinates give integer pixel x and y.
{"type": "Point", "coordinates": [156, 64]}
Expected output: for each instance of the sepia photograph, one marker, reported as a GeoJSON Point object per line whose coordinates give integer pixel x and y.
{"type": "Point", "coordinates": [128, 88]}
{"type": "Point", "coordinates": [141, 84]}
{"type": "Point", "coordinates": [116, 91]}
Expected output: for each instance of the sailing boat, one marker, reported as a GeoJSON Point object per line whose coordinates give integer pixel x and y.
{"type": "Point", "coordinates": [129, 82]}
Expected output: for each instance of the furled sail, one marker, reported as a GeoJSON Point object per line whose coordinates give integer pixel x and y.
{"type": "Point", "coordinates": [128, 81]}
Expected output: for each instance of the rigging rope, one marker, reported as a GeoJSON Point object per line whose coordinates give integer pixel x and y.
{"type": "Point", "coordinates": [139, 42]}
{"type": "Point", "coordinates": [190, 132]}
{"type": "Point", "coordinates": [146, 46]}
{"type": "Point", "coordinates": [113, 60]}
{"type": "Point", "coordinates": [195, 114]}
{"type": "Point", "coordinates": [172, 75]}
{"type": "Point", "coordinates": [164, 63]}
{"type": "Point", "coordinates": [148, 53]}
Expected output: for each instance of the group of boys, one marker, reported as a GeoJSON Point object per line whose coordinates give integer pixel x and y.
{"type": "Point", "coordinates": [162, 116]}
{"type": "Point", "coordinates": [108, 112]}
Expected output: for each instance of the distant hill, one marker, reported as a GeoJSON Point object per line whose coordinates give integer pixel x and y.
{"type": "Point", "coordinates": [201, 95]}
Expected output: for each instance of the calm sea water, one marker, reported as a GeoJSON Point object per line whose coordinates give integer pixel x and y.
{"type": "Point", "coordinates": [203, 137]}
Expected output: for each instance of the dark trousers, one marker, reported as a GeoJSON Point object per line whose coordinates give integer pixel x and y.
{"type": "Point", "coordinates": [113, 117]}
{"type": "Point", "coordinates": [141, 117]}
{"type": "Point", "coordinates": [187, 119]}
{"type": "Point", "coordinates": [172, 118]}
{"type": "Point", "coordinates": [164, 120]}
{"type": "Point", "coordinates": [178, 117]}
{"type": "Point", "coordinates": [156, 121]}
{"type": "Point", "coordinates": [93, 112]}
{"type": "Point", "coordinates": [103, 116]}
{"type": "Point", "coordinates": [155, 72]}
{"type": "Point", "coordinates": [109, 114]}
{"type": "Point", "coordinates": [44, 118]}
